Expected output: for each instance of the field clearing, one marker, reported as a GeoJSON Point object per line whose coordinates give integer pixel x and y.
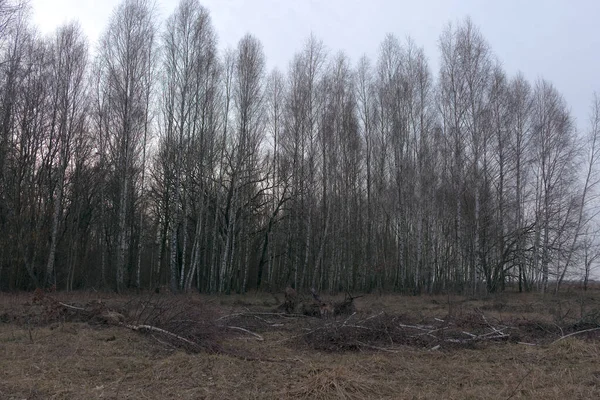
{"type": "Point", "coordinates": [60, 346]}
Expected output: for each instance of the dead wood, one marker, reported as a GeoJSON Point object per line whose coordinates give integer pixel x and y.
{"type": "Point", "coordinates": [576, 333]}
{"type": "Point", "coordinates": [256, 335]}
{"type": "Point", "coordinates": [150, 328]}
{"type": "Point", "coordinates": [383, 331]}
{"type": "Point", "coordinates": [345, 307]}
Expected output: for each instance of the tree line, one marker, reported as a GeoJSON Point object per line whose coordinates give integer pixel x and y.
{"type": "Point", "coordinates": [162, 160]}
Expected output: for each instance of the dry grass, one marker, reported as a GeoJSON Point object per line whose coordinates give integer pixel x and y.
{"type": "Point", "coordinates": [66, 358]}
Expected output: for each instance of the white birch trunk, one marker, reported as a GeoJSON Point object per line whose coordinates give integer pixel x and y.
{"type": "Point", "coordinates": [50, 276]}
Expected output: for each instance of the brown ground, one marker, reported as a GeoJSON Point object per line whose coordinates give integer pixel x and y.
{"type": "Point", "coordinates": [392, 348]}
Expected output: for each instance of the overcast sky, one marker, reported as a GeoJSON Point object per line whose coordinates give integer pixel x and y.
{"type": "Point", "coordinates": [557, 40]}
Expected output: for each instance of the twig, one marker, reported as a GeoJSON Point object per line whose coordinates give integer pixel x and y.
{"type": "Point", "coordinates": [576, 333]}
{"type": "Point", "coordinates": [512, 394]}
{"type": "Point", "coordinates": [162, 342]}
{"type": "Point", "coordinates": [492, 327]}
{"type": "Point", "coordinates": [262, 319]}
{"type": "Point", "coordinates": [562, 333]}
{"type": "Point", "coordinates": [348, 319]}
{"type": "Point", "coordinates": [430, 333]}
{"type": "Point", "coordinates": [258, 337]}
{"type": "Point", "coordinates": [357, 327]}
{"type": "Point", "coordinates": [461, 341]}
{"type": "Point", "coordinates": [71, 307]}
{"type": "Point", "coordinates": [142, 328]}
{"type": "Point", "coordinates": [418, 327]}
{"type": "Point", "coordinates": [254, 314]}
{"type": "Point", "coordinates": [371, 317]}
{"type": "Point", "coordinates": [184, 321]}
{"type": "Point", "coordinates": [496, 332]}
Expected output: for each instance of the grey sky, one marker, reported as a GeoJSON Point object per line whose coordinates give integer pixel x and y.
{"type": "Point", "coordinates": [555, 39]}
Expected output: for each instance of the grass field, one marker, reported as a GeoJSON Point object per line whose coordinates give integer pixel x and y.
{"type": "Point", "coordinates": [85, 346]}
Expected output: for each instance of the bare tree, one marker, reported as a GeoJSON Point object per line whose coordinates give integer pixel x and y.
{"type": "Point", "coordinates": [243, 178]}
{"type": "Point", "coordinates": [13, 34]}
{"type": "Point", "coordinates": [464, 80]}
{"type": "Point", "coordinates": [125, 59]}
{"type": "Point", "coordinates": [366, 111]}
{"type": "Point", "coordinates": [29, 153]}
{"type": "Point", "coordinates": [330, 175]}
{"type": "Point", "coordinates": [555, 152]}
{"type": "Point", "coordinates": [189, 95]}
{"type": "Point", "coordinates": [584, 238]}
{"type": "Point", "coordinates": [10, 13]}
{"type": "Point", "coordinates": [421, 122]}
{"type": "Point", "coordinates": [341, 169]}
{"type": "Point", "coordinates": [68, 97]}
{"type": "Point", "coordinates": [520, 134]}
{"type": "Point", "coordinates": [277, 173]}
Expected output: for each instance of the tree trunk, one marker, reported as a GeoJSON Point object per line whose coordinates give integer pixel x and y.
{"type": "Point", "coordinates": [121, 252]}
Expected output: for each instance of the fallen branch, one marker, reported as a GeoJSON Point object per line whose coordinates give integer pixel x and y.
{"type": "Point", "coordinates": [262, 319]}
{"type": "Point", "coordinates": [348, 319]}
{"type": "Point", "coordinates": [150, 328]}
{"type": "Point", "coordinates": [430, 333]}
{"type": "Point", "coordinates": [254, 314]}
{"type": "Point", "coordinates": [576, 333]}
{"type": "Point", "coordinates": [358, 327]}
{"type": "Point", "coordinates": [71, 307]}
{"type": "Point", "coordinates": [418, 327]}
{"type": "Point", "coordinates": [258, 337]}
{"type": "Point", "coordinates": [494, 334]}
{"type": "Point", "coordinates": [371, 317]}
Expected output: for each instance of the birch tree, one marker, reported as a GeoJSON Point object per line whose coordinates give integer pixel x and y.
{"type": "Point", "coordinates": [68, 63]}
{"type": "Point", "coordinates": [189, 95]}
{"type": "Point", "coordinates": [125, 59]}
{"type": "Point", "coordinates": [520, 133]}
{"type": "Point", "coordinates": [555, 155]}
{"type": "Point", "coordinates": [243, 177]}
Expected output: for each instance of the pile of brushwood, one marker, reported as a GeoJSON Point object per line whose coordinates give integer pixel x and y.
{"type": "Point", "coordinates": [314, 306]}
{"type": "Point", "coordinates": [391, 333]}
{"type": "Point", "coordinates": [189, 323]}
